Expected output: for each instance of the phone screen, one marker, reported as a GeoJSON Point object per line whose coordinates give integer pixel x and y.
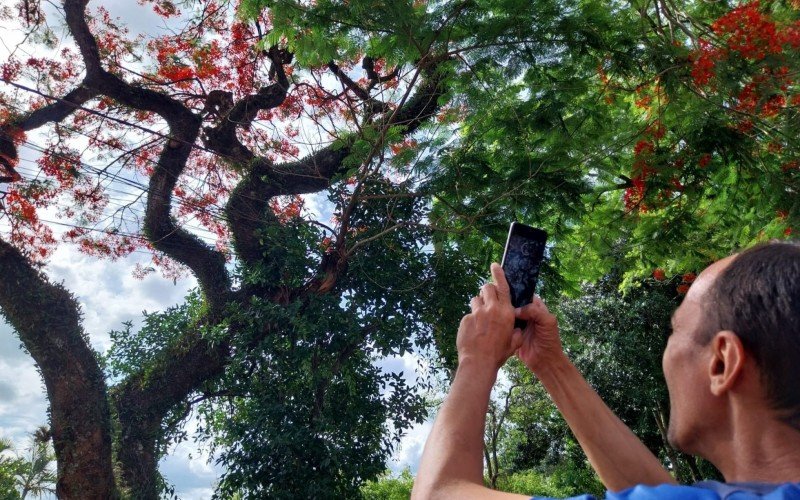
{"type": "Point", "coordinates": [521, 261]}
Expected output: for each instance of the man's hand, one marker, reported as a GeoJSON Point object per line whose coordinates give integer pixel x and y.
{"type": "Point", "coordinates": [541, 344]}
{"type": "Point", "coordinates": [487, 335]}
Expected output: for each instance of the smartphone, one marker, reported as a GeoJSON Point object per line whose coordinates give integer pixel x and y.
{"type": "Point", "coordinates": [522, 258]}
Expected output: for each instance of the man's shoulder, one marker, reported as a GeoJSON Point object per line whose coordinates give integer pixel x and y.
{"type": "Point", "coordinates": [706, 490]}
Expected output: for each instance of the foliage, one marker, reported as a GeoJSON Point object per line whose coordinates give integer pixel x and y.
{"type": "Point", "coordinates": [31, 474]}
{"type": "Point", "coordinates": [537, 484]}
{"type": "Point", "coordinates": [8, 471]}
{"type": "Point", "coordinates": [610, 138]}
{"type": "Point", "coordinates": [388, 487]}
{"type": "Point", "coordinates": [318, 396]}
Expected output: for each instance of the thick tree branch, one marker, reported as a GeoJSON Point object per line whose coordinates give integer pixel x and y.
{"type": "Point", "coordinates": [314, 172]}
{"type": "Point", "coordinates": [142, 402]}
{"type": "Point", "coordinates": [146, 397]}
{"type": "Point", "coordinates": [371, 104]}
{"type": "Point", "coordinates": [248, 203]}
{"type": "Point", "coordinates": [47, 319]}
{"type": "Point", "coordinates": [207, 264]}
{"type": "Point", "coordinates": [348, 82]}
{"type": "Point", "coordinates": [59, 110]}
{"type": "Point", "coordinates": [222, 138]}
{"type": "Point", "coordinates": [247, 211]}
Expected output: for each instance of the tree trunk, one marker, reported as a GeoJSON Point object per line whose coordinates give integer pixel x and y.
{"type": "Point", "coordinates": [671, 452]}
{"type": "Point", "coordinates": [47, 319]}
{"type": "Point", "coordinates": [696, 474]}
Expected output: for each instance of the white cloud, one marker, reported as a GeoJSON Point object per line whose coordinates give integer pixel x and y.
{"type": "Point", "coordinates": [23, 406]}
{"type": "Point", "coordinates": [409, 452]}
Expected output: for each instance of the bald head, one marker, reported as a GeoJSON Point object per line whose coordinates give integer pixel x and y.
{"type": "Point", "coordinates": [756, 295]}
{"type": "Point", "coordinates": [705, 280]}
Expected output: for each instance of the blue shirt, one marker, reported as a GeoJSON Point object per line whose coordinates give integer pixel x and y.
{"type": "Point", "coordinates": [704, 490]}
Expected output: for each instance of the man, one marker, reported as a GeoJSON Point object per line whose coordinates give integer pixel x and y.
{"type": "Point", "coordinates": [732, 366]}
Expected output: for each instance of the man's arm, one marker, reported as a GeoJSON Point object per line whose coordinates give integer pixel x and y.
{"type": "Point", "coordinates": [452, 463]}
{"type": "Point", "coordinates": [616, 454]}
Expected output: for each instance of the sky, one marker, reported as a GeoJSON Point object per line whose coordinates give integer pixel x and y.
{"type": "Point", "coordinates": [109, 296]}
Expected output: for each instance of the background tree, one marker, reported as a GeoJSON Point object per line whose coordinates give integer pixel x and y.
{"type": "Point", "coordinates": [8, 469]}
{"type": "Point", "coordinates": [389, 488]}
{"type": "Point", "coordinates": [36, 476]}
{"type": "Point", "coordinates": [29, 474]}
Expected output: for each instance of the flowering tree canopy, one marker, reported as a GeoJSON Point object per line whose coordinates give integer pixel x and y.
{"type": "Point", "coordinates": [662, 131]}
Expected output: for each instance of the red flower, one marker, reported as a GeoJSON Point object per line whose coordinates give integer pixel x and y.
{"type": "Point", "coordinates": [689, 277]}
{"type": "Point", "coordinates": [643, 147]}
{"type": "Point", "coordinates": [682, 289]}
{"type": "Point", "coordinates": [659, 275]}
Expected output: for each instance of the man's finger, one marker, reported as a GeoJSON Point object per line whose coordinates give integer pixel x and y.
{"type": "Point", "coordinates": [475, 303]}
{"type": "Point", "coordinates": [499, 277]}
{"type": "Point", "coordinates": [489, 293]}
{"type": "Point", "coordinates": [516, 340]}
{"type": "Point", "coordinates": [536, 311]}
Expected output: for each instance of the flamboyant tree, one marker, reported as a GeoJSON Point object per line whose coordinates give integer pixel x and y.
{"type": "Point", "coordinates": [662, 131]}
{"type": "Point", "coordinates": [424, 127]}
{"type": "Point", "coordinates": [229, 118]}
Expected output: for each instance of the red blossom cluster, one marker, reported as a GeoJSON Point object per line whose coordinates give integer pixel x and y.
{"type": "Point", "coordinates": [197, 58]}
{"type": "Point", "coordinates": [109, 245]}
{"type": "Point", "coordinates": [170, 269]}
{"type": "Point", "coordinates": [10, 69]}
{"type": "Point", "coordinates": [749, 34]}
{"type": "Point", "coordinates": [686, 282]}
{"type": "Point", "coordinates": [633, 196]}
{"type": "Point", "coordinates": [782, 215]}
{"type": "Point", "coordinates": [405, 145]}
{"type": "Point", "coordinates": [452, 113]}
{"type": "Point", "coordinates": [27, 230]}
{"type": "Point", "coordinates": [61, 165]}
{"type": "Point", "coordinates": [287, 209]}
{"type": "Point", "coordinates": [649, 98]}
{"type": "Point", "coordinates": [164, 8]}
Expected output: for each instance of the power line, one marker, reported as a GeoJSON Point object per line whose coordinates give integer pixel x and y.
{"type": "Point", "coordinates": [114, 119]}
{"type": "Point", "coordinates": [123, 205]}
{"type": "Point", "coordinates": [98, 171]}
{"type": "Point", "coordinates": [123, 180]}
{"type": "Point", "coordinates": [218, 212]}
{"type": "Point", "coordinates": [118, 217]}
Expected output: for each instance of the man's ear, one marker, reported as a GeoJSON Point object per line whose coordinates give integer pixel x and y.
{"type": "Point", "coordinates": [727, 361]}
